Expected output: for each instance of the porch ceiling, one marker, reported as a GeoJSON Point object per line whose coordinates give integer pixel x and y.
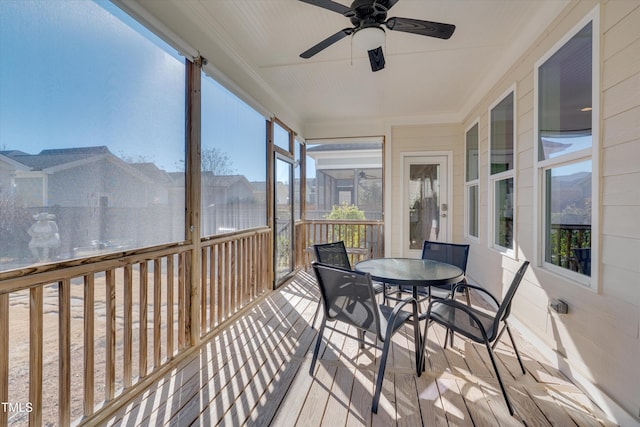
{"type": "Point", "coordinates": [257, 43]}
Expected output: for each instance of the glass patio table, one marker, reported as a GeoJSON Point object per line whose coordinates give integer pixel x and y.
{"type": "Point", "coordinates": [416, 273]}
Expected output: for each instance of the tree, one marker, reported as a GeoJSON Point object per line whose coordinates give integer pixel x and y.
{"type": "Point", "coordinates": [213, 160]}
{"type": "Point", "coordinates": [349, 233]}
{"type": "Point", "coordinates": [216, 161]}
{"type": "Point", "coordinates": [14, 222]}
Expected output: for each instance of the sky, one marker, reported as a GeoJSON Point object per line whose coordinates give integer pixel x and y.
{"type": "Point", "coordinates": [77, 73]}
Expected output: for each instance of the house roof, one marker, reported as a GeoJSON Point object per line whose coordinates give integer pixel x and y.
{"type": "Point", "coordinates": [55, 157]}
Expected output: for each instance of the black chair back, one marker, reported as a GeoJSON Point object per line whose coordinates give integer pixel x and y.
{"type": "Point", "coordinates": [333, 254]}
{"type": "Point", "coordinates": [450, 253]}
{"type": "Point", "coordinates": [348, 296]}
{"type": "Point", "coordinates": [505, 306]}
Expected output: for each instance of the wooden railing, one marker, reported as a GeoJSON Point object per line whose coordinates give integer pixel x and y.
{"type": "Point", "coordinates": [235, 271]}
{"type": "Point", "coordinates": [363, 239]}
{"type": "Point", "coordinates": [87, 335]}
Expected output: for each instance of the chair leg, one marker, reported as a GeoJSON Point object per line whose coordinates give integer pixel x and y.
{"type": "Point", "coordinates": [381, 369]}
{"type": "Point", "coordinates": [423, 352]}
{"type": "Point", "coordinates": [448, 336]}
{"type": "Point", "coordinates": [317, 348]}
{"type": "Point", "coordinates": [361, 337]}
{"type": "Point", "coordinates": [515, 349]}
{"type": "Point", "coordinates": [495, 368]}
{"type": "Point", "coordinates": [419, 348]}
{"type": "Point", "coordinates": [315, 316]}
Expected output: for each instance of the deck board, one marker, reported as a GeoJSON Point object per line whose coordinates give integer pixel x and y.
{"type": "Point", "coordinates": [255, 372]}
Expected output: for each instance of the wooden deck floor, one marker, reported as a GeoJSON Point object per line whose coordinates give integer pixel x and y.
{"type": "Point", "coordinates": [255, 372]}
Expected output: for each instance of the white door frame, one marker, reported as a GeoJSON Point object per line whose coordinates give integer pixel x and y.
{"type": "Point", "coordinates": [448, 155]}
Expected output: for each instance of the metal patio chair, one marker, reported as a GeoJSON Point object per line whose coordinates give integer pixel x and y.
{"type": "Point", "coordinates": [335, 254]}
{"type": "Point", "coordinates": [476, 325]}
{"type": "Point", "coordinates": [348, 297]}
{"type": "Point", "coordinates": [451, 253]}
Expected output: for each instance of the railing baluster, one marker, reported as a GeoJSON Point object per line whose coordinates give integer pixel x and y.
{"type": "Point", "coordinates": [188, 325]}
{"type": "Point", "coordinates": [35, 355]}
{"type": "Point", "coordinates": [4, 356]}
{"type": "Point", "coordinates": [157, 313]}
{"type": "Point", "coordinates": [233, 276]}
{"type": "Point", "coordinates": [64, 352]}
{"type": "Point", "coordinates": [181, 302]}
{"type": "Point", "coordinates": [220, 280]}
{"type": "Point", "coordinates": [212, 288]}
{"type": "Point", "coordinates": [89, 356]}
{"type": "Point", "coordinates": [143, 310]}
{"type": "Point", "coordinates": [110, 337]}
{"type": "Point", "coordinates": [170, 282]}
{"type": "Point", "coordinates": [203, 289]}
{"type": "Point", "coordinates": [128, 326]}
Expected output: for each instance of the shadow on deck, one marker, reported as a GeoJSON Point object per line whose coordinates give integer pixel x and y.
{"type": "Point", "coordinates": [255, 372]}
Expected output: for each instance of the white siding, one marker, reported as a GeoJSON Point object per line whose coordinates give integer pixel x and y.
{"type": "Point", "coordinates": [599, 338]}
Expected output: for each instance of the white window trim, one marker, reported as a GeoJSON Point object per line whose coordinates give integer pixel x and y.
{"type": "Point", "coordinates": [492, 179]}
{"type": "Point", "coordinates": [471, 183]}
{"type": "Point", "coordinates": [591, 283]}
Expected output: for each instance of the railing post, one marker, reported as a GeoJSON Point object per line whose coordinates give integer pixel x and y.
{"type": "Point", "coordinates": [192, 189]}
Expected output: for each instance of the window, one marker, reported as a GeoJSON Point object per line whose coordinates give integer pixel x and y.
{"type": "Point", "coordinates": [281, 137]}
{"type": "Point", "coordinates": [344, 176]}
{"type": "Point", "coordinates": [234, 162]}
{"type": "Point", "coordinates": [471, 181]}
{"type": "Point", "coordinates": [502, 173]}
{"type": "Point", "coordinates": [92, 140]}
{"type": "Point", "coordinates": [566, 142]}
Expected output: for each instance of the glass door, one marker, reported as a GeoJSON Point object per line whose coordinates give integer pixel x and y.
{"type": "Point", "coordinates": [426, 207]}
{"type": "Point", "coordinates": [284, 227]}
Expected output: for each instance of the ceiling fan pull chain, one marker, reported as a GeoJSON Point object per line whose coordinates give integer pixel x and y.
{"type": "Point", "coordinates": [351, 61]}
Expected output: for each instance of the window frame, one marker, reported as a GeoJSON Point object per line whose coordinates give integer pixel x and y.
{"type": "Point", "coordinates": [492, 179]}
{"type": "Point", "coordinates": [588, 154]}
{"type": "Point", "coordinates": [469, 184]}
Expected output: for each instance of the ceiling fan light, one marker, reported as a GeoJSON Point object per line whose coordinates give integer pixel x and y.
{"type": "Point", "coordinates": [368, 38]}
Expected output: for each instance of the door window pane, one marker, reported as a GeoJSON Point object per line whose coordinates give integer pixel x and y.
{"type": "Point", "coordinates": [568, 217]}
{"type": "Point", "coordinates": [502, 136]}
{"type": "Point", "coordinates": [565, 96]}
{"type": "Point", "coordinates": [284, 223]}
{"type": "Point", "coordinates": [424, 204]}
{"type": "Point", "coordinates": [503, 226]}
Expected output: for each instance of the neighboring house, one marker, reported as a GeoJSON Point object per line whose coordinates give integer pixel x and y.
{"type": "Point", "coordinates": [8, 169]}
{"type": "Point", "coordinates": [97, 197]}
{"type": "Point", "coordinates": [229, 203]}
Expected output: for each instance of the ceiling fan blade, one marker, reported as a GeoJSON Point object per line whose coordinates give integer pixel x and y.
{"type": "Point", "coordinates": [423, 28]}
{"type": "Point", "coordinates": [376, 58]}
{"type": "Point", "coordinates": [326, 43]}
{"type": "Point", "coordinates": [391, 3]}
{"type": "Point", "coordinates": [330, 5]}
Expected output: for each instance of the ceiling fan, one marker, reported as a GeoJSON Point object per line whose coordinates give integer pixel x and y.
{"type": "Point", "coordinates": [368, 18]}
